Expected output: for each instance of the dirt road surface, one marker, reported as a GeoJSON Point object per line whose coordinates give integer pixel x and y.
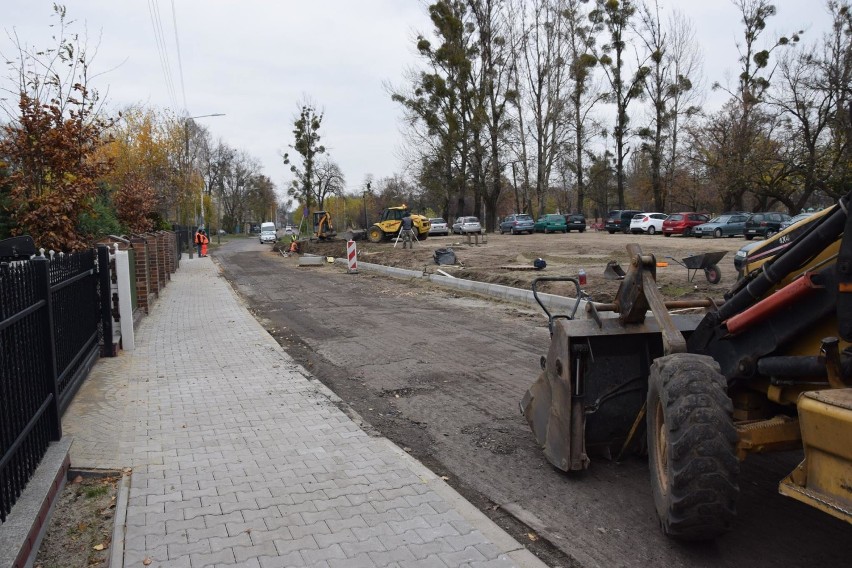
{"type": "Point", "coordinates": [441, 374]}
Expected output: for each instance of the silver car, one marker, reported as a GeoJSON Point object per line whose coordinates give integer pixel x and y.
{"type": "Point", "coordinates": [464, 225]}
{"type": "Point", "coordinates": [438, 226]}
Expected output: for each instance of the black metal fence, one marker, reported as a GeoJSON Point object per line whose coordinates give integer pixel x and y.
{"type": "Point", "coordinates": [50, 327]}
{"type": "Point", "coordinates": [185, 236]}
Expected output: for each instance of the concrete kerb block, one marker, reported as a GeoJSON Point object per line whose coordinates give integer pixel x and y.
{"type": "Point", "coordinates": [311, 260]}
{"type": "Point", "coordinates": [116, 549]}
{"type": "Point", "coordinates": [24, 529]}
{"type": "Point", "coordinates": [554, 303]}
{"type": "Point", "coordinates": [504, 542]}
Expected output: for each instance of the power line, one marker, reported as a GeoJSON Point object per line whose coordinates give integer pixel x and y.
{"type": "Point", "coordinates": [180, 61]}
{"type": "Point", "coordinates": [162, 51]}
{"type": "Point", "coordinates": [162, 36]}
{"type": "Point", "coordinates": [163, 65]}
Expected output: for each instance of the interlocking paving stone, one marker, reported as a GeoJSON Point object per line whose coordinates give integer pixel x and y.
{"type": "Point", "coordinates": [240, 458]}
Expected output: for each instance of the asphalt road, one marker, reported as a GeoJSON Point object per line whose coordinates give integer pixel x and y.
{"type": "Point", "coordinates": [441, 374]}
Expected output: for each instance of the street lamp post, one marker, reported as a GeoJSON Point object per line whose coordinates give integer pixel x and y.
{"type": "Point", "coordinates": [187, 180]}
{"type": "Point", "coordinates": [219, 220]}
{"type": "Point", "coordinates": [365, 206]}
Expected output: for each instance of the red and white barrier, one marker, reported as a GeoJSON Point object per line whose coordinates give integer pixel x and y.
{"type": "Point", "coordinates": [352, 257]}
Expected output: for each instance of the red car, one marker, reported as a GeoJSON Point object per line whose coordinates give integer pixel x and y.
{"type": "Point", "coordinates": [682, 223]}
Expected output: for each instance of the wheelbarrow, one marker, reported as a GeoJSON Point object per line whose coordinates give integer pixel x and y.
{"type": "Point", "coordinates": [706, 262]}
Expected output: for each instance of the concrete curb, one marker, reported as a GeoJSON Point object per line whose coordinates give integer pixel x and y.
{"type": "Point", "coordinates": [24, 529]}
{"type": "Point", "coordinates": [505, 542]}
{"type": "Point", "coordinates": [561, 304]}
{"type": "Point", "coordinates": [116, 554]}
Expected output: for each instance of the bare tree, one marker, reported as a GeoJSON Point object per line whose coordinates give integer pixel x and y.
{"type": "Point", "coordinates": [749, 133]}
{"type": "Point", "coordinates": [260, 198]}
{"type": "Point", "coordinates": [439, 98]}
{"type": "Point", "coordinates": [583, 94]}
{"type": "Point", "coordinates": [329, 181]}
{"type": "Point", "coordinates": [667, 89]}
{"type": "Point", "coordinates": [836, 77]}
{"type": "Point", "coordinates": [240, 169]}
{"type": "Point", "coordinates": [543, 74]}
{"type": "Point", "coordinates": [495, 92]}
{"type": "Point", "coordinates": [688, 91]}
{"type": "Point", "coordinates": [615, 17]}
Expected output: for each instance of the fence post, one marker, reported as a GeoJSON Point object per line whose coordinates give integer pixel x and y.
{"type": "Point", "coordinates": [125, 306]}
{"type": "Point", "coordinates": [105, 297]}
{"type": "Point", "coordinates": [42, 270]}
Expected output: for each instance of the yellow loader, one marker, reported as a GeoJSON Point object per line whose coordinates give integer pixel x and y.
{"type": "Point", "coordinates": [390, 222]}
{"type": "Point", "coordinates": [768, 368]}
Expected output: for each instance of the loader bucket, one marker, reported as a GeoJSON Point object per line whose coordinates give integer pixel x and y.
{"type": "Point", "coordinates": [593, 387]}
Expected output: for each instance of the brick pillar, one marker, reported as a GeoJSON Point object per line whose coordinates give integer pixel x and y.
{"type": "Point", "coordinates": [161, 256]}
{"type": "Point", "coordinates": [170, 248]}
{"type": "Point", "coordinates": [143, 278]}
{"type": "Point", "coordinates": [154, 261]}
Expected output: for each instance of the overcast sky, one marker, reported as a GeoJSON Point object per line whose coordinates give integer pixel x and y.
{"type": "Point", "coordinates": [254, 60]}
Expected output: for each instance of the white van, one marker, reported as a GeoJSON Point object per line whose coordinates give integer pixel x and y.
{"type": "Point", "coordinates": [267, 233]}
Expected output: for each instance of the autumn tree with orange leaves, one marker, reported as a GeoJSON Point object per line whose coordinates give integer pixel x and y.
{"type": "Point", "coordinates": [50, 142]}
{"type": "Point", "coordinates": [141, 150]}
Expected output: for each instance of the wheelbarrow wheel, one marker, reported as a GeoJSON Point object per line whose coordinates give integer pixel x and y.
{"type": "Point", "coordinates": [691, 447]}
{"type": "Point", "coordinates": [713, 275]}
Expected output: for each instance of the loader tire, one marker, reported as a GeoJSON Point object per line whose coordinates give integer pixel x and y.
{"type": "Point", "coordinates": [375, 235]}
{"type": "Point", "coordinates": [691, 447]}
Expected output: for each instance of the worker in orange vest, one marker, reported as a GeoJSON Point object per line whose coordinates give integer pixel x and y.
{"type": "Point", "coordinates": [197, 240]}
{"type": "Point", "coordinates": [204, 241]}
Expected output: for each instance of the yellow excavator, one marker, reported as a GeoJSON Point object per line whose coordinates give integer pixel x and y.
{"type": "Point", "coordinates": [767, 368]}
{"type": "Point", "coordinates": [323, 228]}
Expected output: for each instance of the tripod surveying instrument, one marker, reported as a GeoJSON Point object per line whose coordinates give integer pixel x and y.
{"type": "Point", "coordinates": [406, 232]}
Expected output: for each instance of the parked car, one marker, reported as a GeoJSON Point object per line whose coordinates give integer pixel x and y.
{"type": "Point", "coordinates": [682, 223]}
{"type": "Point", "coordinates": [795, 219]}
{"type": "Point", "coordinates": [438, 226]}
{"type": "Point", "coordinates": [551, 223]}
{"type": "Point", "coordinates": [651, 223]}
{"type": "Point", "coordinates": [771, 246]}
{"type": "Point", "coordinates": [722, 226]}
{"type": "Point", "coordinates": [764, 224]}
{"type": "Point", "coordinates": [741, 255]}
{"type": "Point", "coordinates": [267, 233]}
{"type": "Point", "coordinates": [465, 225]}
{"type": "Point", "coordinates": [575, 222]}
{"type": "Point", "coordinates": [517, 223]}
{"type": "Point", "coordinates": [619, 220]}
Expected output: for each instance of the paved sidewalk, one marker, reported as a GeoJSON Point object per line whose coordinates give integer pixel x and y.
{"type": "Point", "coordinates": [240, 458]}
